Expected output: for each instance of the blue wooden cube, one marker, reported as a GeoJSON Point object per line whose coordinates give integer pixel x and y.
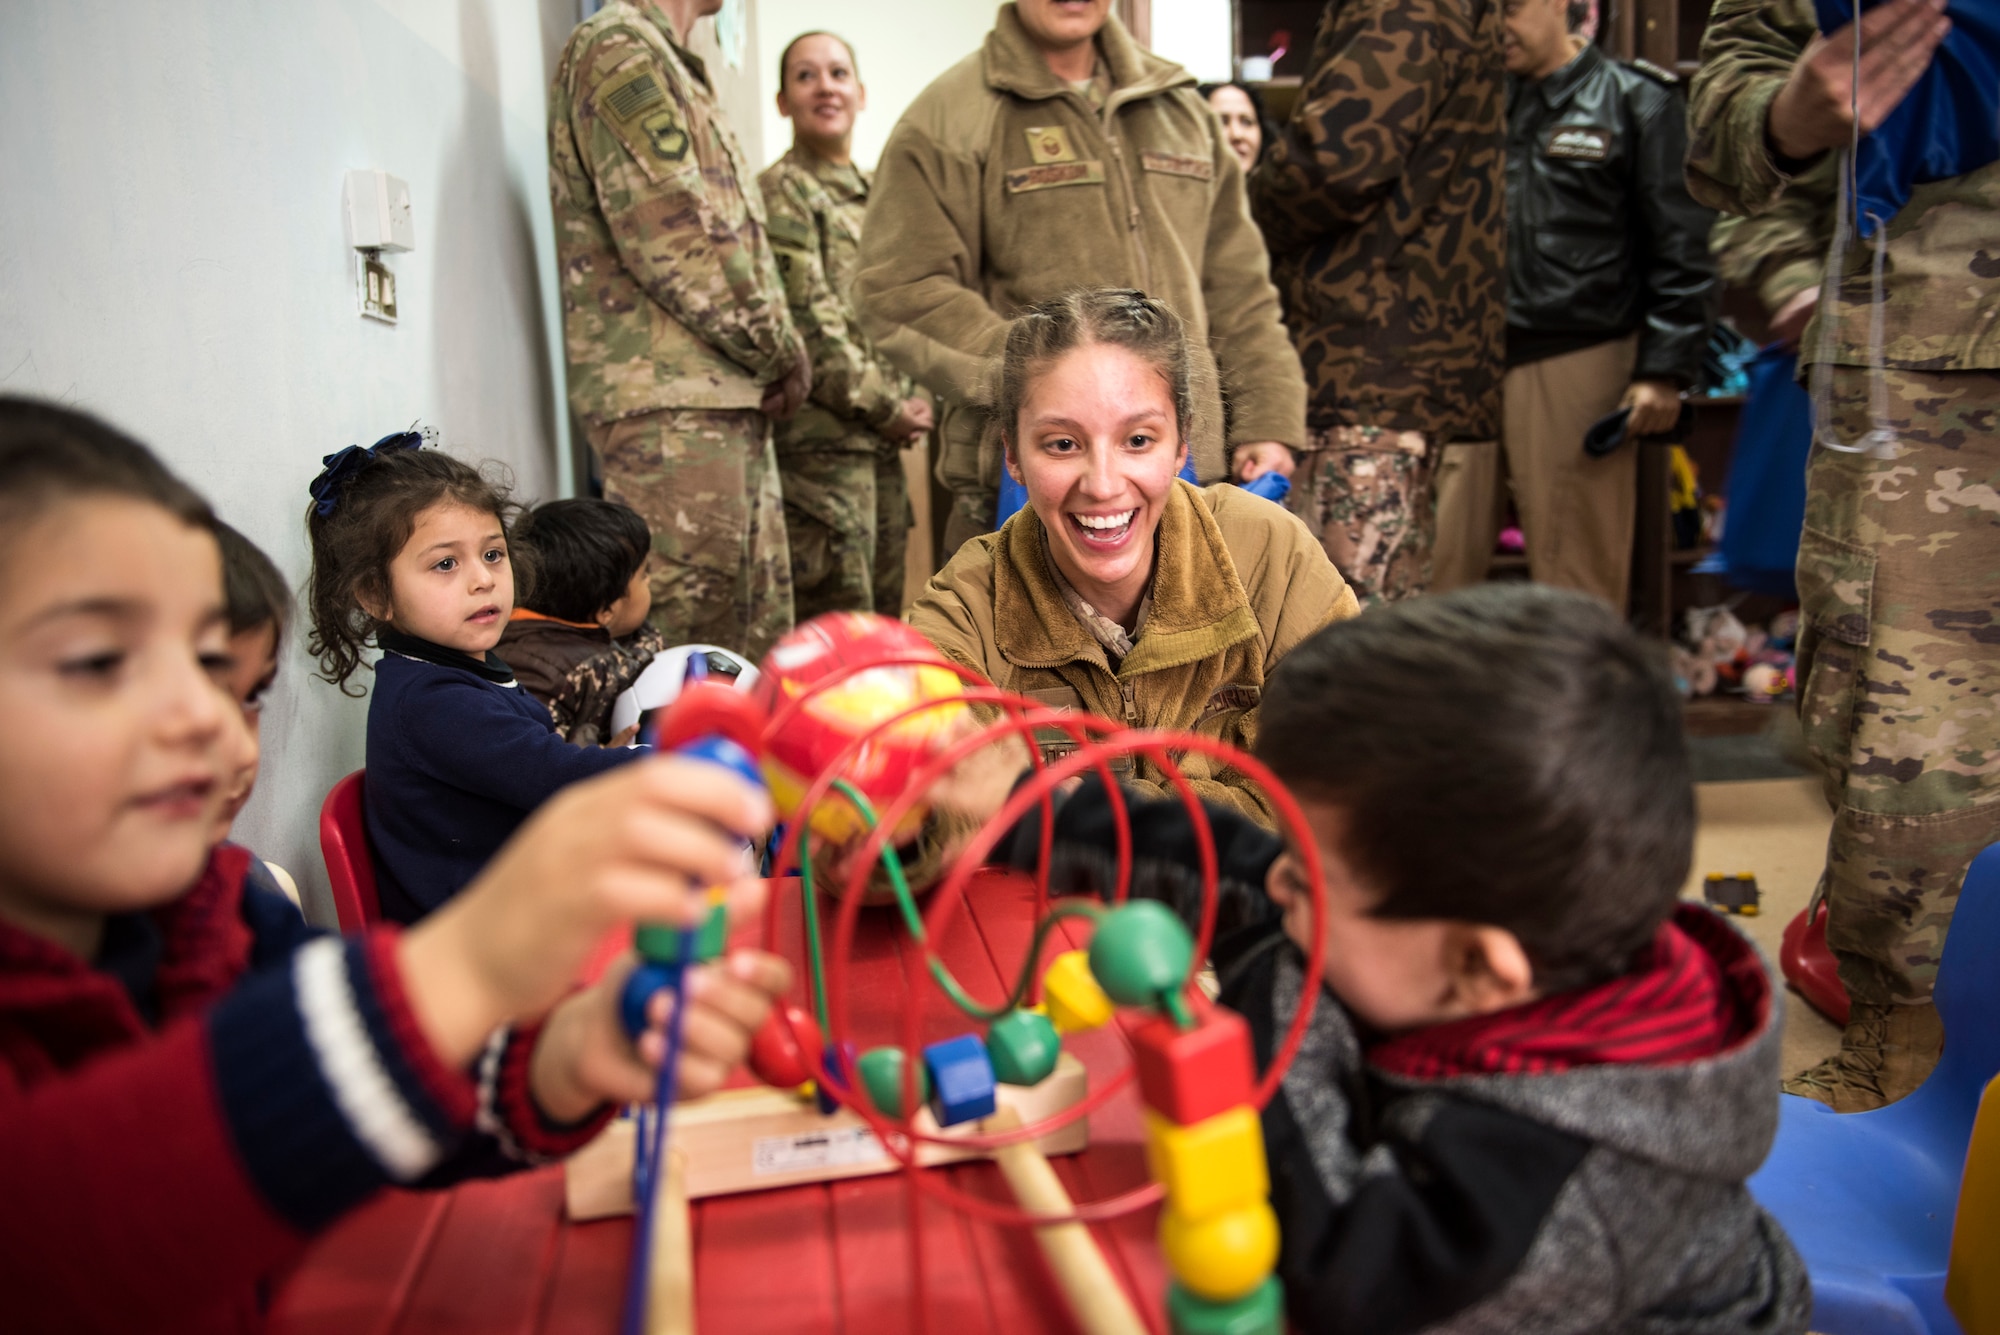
{"type": "Point", "coordinates": [962, 1081]}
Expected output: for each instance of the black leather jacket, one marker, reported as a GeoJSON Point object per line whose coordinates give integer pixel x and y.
{"type": "Point", "coordinates": [1602, 237]}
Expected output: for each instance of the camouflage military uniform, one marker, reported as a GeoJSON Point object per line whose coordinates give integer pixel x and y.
{"type": "Point", "coordinates": [847, 510]}
{"type": "Point", "coordinates": [1899, 563]}
{"type": "Point", "coordinates": [1387, 247]}
{"type": "Point", "coordinates": [673, 322]}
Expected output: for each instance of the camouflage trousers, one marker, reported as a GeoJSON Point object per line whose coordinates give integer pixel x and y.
{"type": "Point", "coordinates": [1370, 497]}
{"type": "Point", "coordinates": [1899, 666]}
{"type": "Point", "coordinates": [847, 519]}
{"type": "Point", "coordinates": [706, 482]}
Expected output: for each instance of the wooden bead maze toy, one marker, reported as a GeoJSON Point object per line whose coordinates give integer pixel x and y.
{"type": "Point", "coordinates": [853, 721]}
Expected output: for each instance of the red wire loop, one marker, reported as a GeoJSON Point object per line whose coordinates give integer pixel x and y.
{"type": "Point", "coordinates": [1098, 742]}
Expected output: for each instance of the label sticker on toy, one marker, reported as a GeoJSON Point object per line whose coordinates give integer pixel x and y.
{"type": "Point", "coordinates": [834, 1148]}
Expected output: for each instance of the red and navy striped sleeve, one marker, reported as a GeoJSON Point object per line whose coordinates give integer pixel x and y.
{"type": "Point", "coordinates": [174, 1173]}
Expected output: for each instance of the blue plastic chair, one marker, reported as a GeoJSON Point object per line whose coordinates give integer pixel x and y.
{"type": "Point", "coordinates": [1869, 1197]}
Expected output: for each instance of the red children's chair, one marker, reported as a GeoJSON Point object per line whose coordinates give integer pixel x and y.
{"type": "Point", "coordinates": [343, 842]}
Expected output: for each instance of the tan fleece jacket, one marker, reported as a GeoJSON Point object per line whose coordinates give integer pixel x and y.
{"type": "Point", "coordinates": [1237, 583]}
{"type": "Point", "coordinates": [1001, 187]}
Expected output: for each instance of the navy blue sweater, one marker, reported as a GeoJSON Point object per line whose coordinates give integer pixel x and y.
{"type": "Point", "coordinates": [458, 756]}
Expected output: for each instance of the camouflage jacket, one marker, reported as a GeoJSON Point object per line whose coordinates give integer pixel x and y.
{"type": "Point", "coordinates": [1002, 186]}
{"type": "Point", "coordinates": [670, 295]}
{"type": "Point", "coordinates": [1782, 251]}
{"type": "Point", "coordinates": [1384, 204]}
{"type": "Point", "coordinates": [814, 211]}
{"type": "Point", "coordinates": [578, 671]}
{"type": "Point", "coordinates": [1941, 284]}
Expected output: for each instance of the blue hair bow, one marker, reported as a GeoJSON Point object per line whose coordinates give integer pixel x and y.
{"type": "Point", "coordinates": [344, 464]}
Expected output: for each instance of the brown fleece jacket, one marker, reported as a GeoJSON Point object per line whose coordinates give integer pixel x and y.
{"type": "Point", "coordinates": [1237, 583]}
{"type": "Point", "coordinates": [1001, 187]}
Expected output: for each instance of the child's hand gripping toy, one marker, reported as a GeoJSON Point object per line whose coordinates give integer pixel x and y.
{"type": "Point", "coordinates": [853, 723]}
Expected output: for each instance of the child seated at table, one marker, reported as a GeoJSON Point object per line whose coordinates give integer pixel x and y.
{"type": "Point", "coordinates": [256, 606]}
{"type": "Point", "coordinates": [579, 637]}
{"type": "Point", "coordinates": [192, 1082]}
{"type": "Point", "coordinates": [1536, 1083]}
{"type": "Point", "coordinates": [412, 551]}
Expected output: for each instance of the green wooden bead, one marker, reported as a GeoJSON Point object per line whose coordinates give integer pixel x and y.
{"type": "Point", "coordinates": [1260, 1312]}
{"type": "Point", "coordinates": [1140, 952]}
{"type": "Point", "coordinates": [661, 943]}
{"type": "Point", "coordinates": [1024, 1047]}
{"type": "Point", "coordinates": [881, 1072]}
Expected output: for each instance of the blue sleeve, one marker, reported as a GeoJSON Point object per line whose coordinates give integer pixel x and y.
{"type": "Point", "coordinates": [466, 734]}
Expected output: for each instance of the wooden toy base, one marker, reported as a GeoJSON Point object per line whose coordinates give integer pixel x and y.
{"type": "Point", "coordinates": [754, 1139]}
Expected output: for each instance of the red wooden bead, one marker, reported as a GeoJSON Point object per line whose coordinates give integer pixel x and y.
{"type": "Point", "coordinates": [776, 1057]}
{"type": "Point", "coordinates": [1188, 1076]}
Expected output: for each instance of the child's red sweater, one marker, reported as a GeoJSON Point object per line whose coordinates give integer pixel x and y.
{"type": "Point", "coordinates": [179, 1119]}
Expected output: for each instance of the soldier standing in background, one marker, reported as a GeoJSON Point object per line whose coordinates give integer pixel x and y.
{"type": "Point", "coordinates": [1062, 155]}
{"type": "Point", "coordinates": [1384, 206]}
{"type": "Point", "coordinates": [1899, 562]}
{"type": "Point", "coordinates": [680, 346]}
{"type": "Point", "coordinates": [847, 509]}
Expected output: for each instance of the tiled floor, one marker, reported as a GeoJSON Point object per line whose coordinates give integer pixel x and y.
{"type": "Point", "coordinates": [1775, 829]}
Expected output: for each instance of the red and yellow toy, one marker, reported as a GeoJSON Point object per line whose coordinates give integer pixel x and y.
{"type": "Point", "coordinates": [852, 721]}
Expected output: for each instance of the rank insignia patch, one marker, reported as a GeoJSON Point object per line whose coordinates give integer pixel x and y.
{"type": "Point", "coordinates": [1049, 143]}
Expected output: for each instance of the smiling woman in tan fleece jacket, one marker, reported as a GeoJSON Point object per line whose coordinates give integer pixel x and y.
{"type": "Point", "coordinates": [1119, 589]}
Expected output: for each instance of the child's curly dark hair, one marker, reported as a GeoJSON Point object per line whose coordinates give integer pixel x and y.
{"type": "Point", "coordinates": [373, 516]}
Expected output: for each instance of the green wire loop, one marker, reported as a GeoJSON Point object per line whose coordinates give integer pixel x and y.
{"type": "Point", "coordinates": [914, 920]}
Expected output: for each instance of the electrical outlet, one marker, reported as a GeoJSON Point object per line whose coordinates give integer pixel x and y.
{"type": "Point", "coordinates": [376, 287]}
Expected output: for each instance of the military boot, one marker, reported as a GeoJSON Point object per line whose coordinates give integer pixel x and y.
{"type": "Point", "coordinates": [1885, 1053]}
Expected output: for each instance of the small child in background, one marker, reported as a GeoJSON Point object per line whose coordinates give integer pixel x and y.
{"type": "Point", "coordinates": [258, 606]}
{"type": "Point", "coordinates": [1535, 1084]}
{"type": "Point", "coordinates": [412, 551]}
{"type": "Point", "coordinates": [580, 636]}
{"type": "Point", "coordinates": [193, 1083]}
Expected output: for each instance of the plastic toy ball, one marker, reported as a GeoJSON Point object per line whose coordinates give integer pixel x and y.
{"type": "Point", "coordinates": [836, 679]}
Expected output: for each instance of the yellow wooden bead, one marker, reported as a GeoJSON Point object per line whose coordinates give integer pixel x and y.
{"type": "Point", "coordinates": [1070, 991]}
{"type": "Point", "coordinates": [1225, 1256]}
{"type": "Point", "coordinates": [1213, 1165]}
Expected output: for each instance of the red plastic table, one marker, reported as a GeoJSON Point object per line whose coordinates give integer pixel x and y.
{"type": "Point", "coordinates": [494, 1257]}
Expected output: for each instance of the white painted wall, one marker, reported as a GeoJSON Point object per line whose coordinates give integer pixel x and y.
{"type": "Point", "coordinates": [1197, 34]}
{"type": "Point", "coordinates": [171, 257]}
{"type": "Point", "coordinates": [900, 45]}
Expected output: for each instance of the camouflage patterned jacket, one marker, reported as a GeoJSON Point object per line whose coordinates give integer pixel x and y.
{"type": "Point", "coordinates": [578, 671]}
{"type": "Point", "coordinates": [1384, 203]}
{"type": "Point", "coordinates": [814, 211]}
{"type": "Point", "coordinates": [1782, 251]}
{"type": "Point", "coordinates": [1001, 186]}
{"type": "Point", "coordinates": [1941, 288]}
{"type": "Point", "coordinates": [670, 296]}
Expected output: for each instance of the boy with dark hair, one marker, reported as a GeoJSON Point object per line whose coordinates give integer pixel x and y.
{"type": "Point", "coordinates": [1537, 1084]}
{"type": "Point", "coordinates": [581, 636]}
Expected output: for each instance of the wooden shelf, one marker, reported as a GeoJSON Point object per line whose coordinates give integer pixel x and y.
{"type": "Point", "coordinates": [1728, 716]}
